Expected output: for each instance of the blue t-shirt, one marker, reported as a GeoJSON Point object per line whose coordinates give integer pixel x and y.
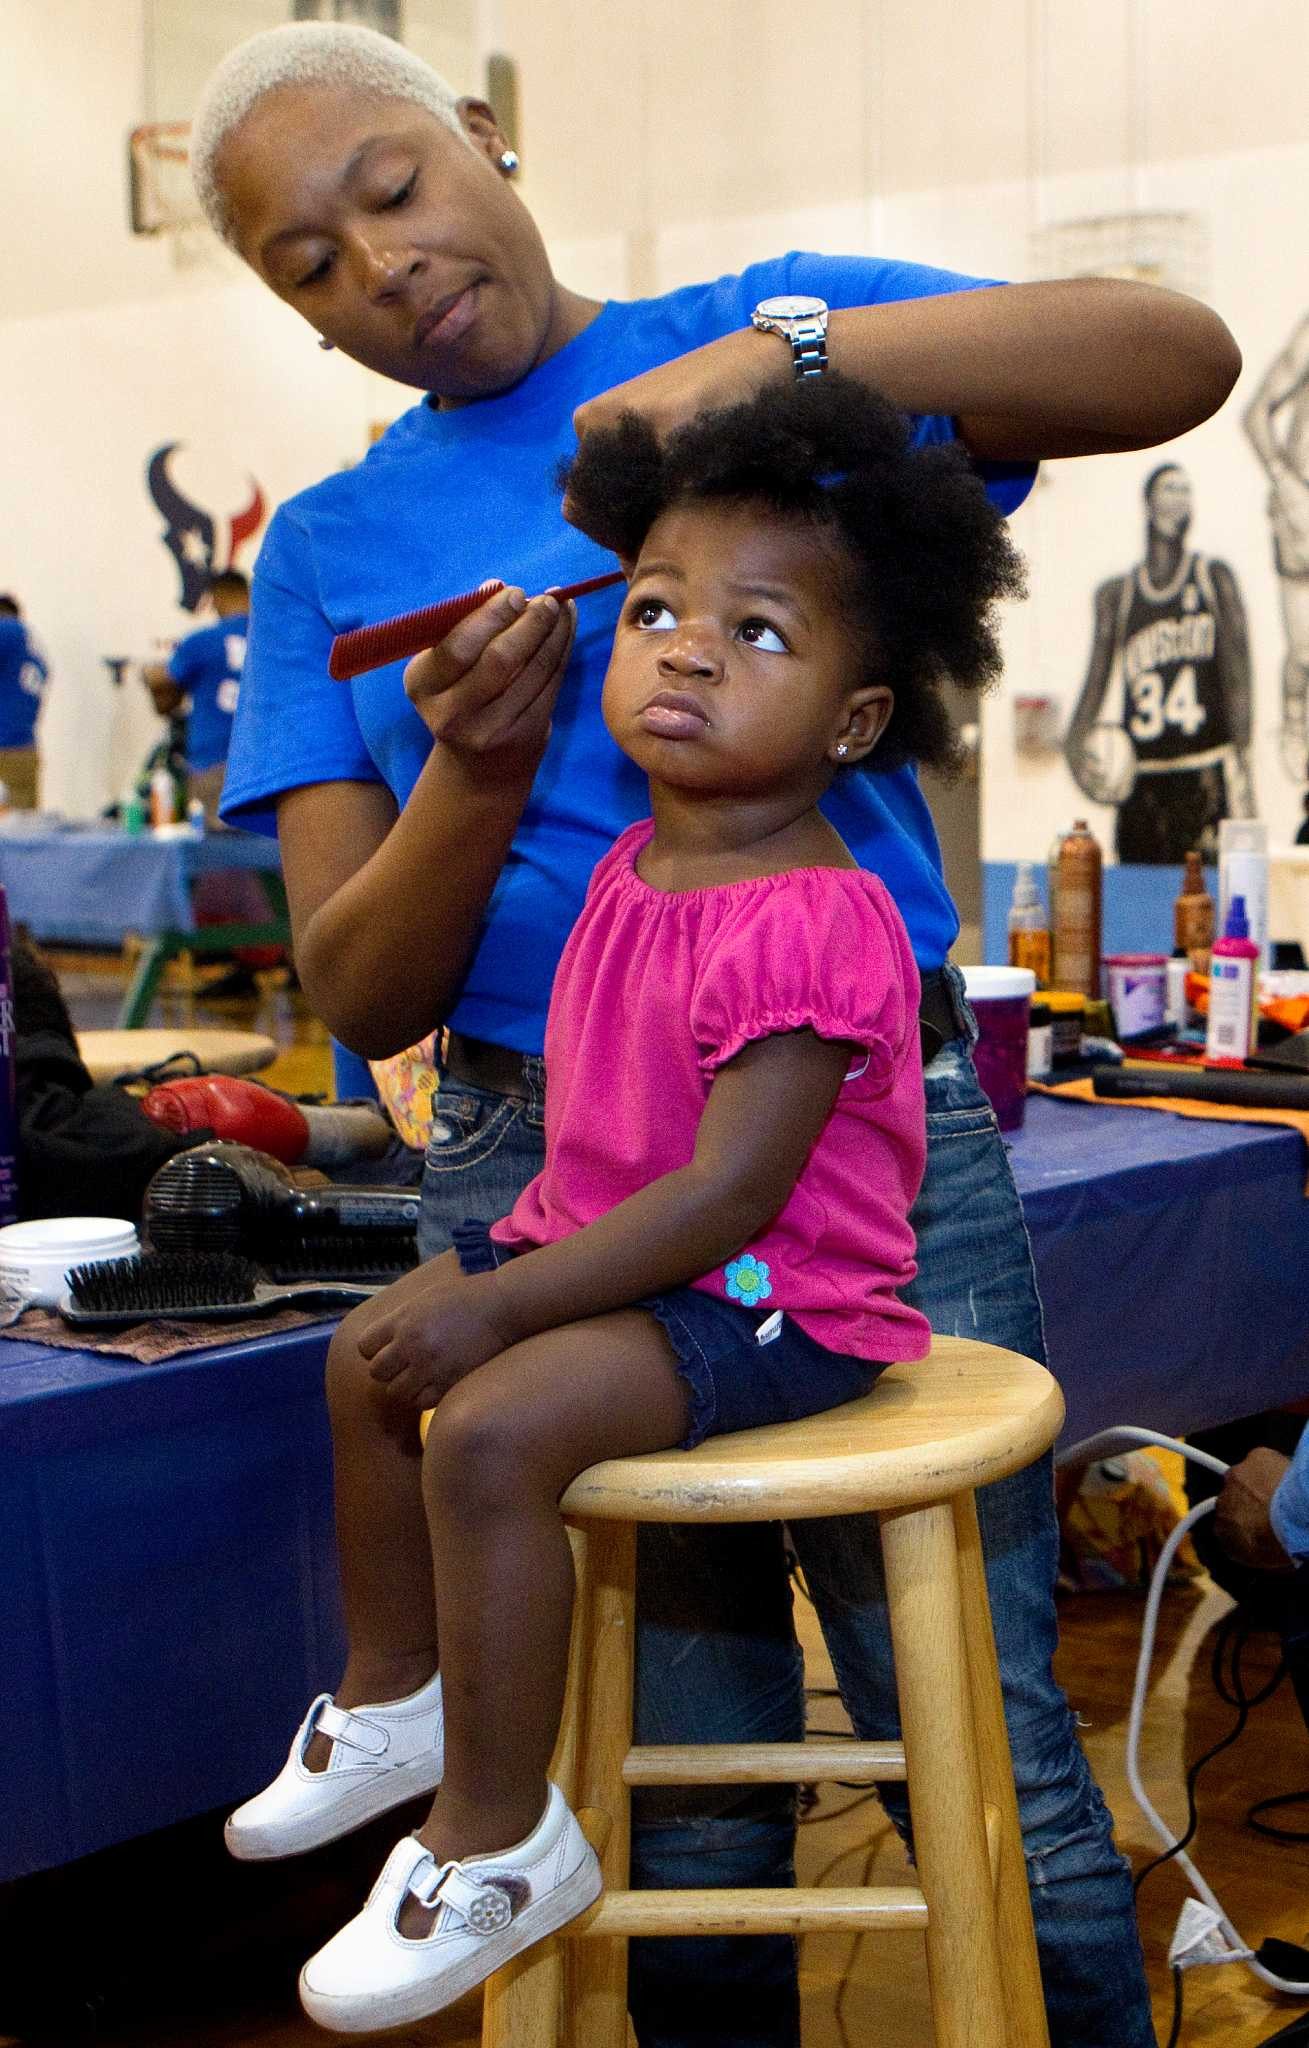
{"type": "Point", "coordinates": [208, 665]}
{"type": "Point", "coordinates": [1289, 1511]}
{"type": "Point", "coordinates": [23, 674]}
{"type": "Point", "coordinates": [447, 499]}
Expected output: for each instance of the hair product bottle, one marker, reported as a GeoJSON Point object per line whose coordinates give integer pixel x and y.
{"type": "Point", "coordinates": [1193, 916]}
{"type": "Point", "coordinates": [8, 1103]}
{"type": "Point", "coordinates": [1029, 931]}
{"type": "Point", "coordinates": [1051, 897]}
{"type": "Point", "coordinates": [1233, 991]}
{"type": "Point", "coordinates": [1243, 871]}
{"type": "Point", "coordinates": [1078, 906]}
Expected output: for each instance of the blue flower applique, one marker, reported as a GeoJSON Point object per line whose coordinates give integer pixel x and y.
{"type": "Point", "coordinates": [747, 1280]}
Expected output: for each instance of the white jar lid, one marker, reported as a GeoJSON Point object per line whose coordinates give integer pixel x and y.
{"type": "Point", "coordinates": [46, 1236]}
{"type": "Point", "coordinates": [998, 984]}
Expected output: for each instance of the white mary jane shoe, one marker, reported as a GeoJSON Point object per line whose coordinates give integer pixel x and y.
{"type": "Point", "coordinates": [371, 1976]}
{"type": "Point", "coordinates": [381, 1756]}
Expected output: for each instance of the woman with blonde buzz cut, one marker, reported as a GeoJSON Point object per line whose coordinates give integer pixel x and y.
{"type": "Point", "coordinates": [439, 824]}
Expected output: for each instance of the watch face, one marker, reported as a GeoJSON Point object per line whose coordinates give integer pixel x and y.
{"type": "Point", "coordinates": [791, 307]}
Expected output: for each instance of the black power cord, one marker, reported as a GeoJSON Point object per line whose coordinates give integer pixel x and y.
{"type": "Point", "coordinates": [1232, 1635]}
{"type": "Point", "coordinates": [1296, 2035]}
{"type": "Point", "coordinates": [1175, 2031]}
{"type": "Point", "coordinates": [1267, 1806]}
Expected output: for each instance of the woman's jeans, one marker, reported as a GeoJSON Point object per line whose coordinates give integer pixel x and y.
{"type": "Point", "coordinates": [717, 1658]}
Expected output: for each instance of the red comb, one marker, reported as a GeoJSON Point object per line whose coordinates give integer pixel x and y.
{"type": "Point", "coordinates": [353, 654]}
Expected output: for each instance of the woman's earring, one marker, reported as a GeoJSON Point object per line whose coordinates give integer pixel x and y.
{"type": "Point", "coordinates": [508, 162]}
{"type": "Point", "coordinates": [841, 750]}
{"type": "Point", "coordinates": [323, 342]}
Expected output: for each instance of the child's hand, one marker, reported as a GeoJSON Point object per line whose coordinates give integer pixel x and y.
{"type": "Point", "coordinates": [434, 1339]}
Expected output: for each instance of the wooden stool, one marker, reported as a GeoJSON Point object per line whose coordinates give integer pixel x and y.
{"type": "Point", "coordinates": [913, 1451]}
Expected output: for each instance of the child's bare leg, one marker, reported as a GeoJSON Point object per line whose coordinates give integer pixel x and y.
{"type": "Point", "coordinates": [503, 1446]}
{"type": "Point", "coordinates": [381, 1523]}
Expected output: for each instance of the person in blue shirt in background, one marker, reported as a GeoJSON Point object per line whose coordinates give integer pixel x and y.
{"type": "Point", "coordinates": [201, 682]}
{"type": "Point", "coordinates": [23, 677]}
{"type": "Point", "coordinates": [204, 673]}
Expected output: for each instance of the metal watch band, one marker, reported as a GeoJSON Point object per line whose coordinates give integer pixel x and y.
{"type": "Point", "coordinates": [809, 349]}
{"type": "Point", "coordinates": [804, 334]}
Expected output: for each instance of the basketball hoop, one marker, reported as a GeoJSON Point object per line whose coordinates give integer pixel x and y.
{"type": "Point", "coordinates": [160, 196]}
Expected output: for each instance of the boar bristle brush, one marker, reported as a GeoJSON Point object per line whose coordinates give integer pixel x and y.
{"type": "Point", "coordinates": [399, 639]}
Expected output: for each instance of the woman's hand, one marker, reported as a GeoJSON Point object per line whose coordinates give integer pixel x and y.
{"type": "Point", "coordinates": [488, 691]}
{"type": "Point", "coordinates": [433, 1339]}
{"type": "Point", "coordinates": [723, 372]}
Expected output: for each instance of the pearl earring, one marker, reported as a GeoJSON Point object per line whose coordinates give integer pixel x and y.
{"type": "Point", "coordinates": [323, 342]}
{"type": "Point", "coordinates": [841, 750]}
{"type": "Point", "coordinates": [508, 161]}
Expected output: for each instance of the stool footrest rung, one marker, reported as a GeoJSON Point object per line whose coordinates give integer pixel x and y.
{"type": "Point", "coordinates": [775, 1910]}
{"type": "Point", "coordinates": [765, 1763]}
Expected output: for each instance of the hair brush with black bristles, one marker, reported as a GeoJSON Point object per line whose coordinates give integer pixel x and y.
{"type": "Point", "coordinates": [181, 1287]}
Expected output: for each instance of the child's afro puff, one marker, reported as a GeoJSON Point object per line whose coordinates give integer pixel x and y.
{"type": "Point", "coordinates": [927, 553]}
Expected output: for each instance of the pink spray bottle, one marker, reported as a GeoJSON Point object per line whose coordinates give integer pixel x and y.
{"type": "Point", "coordinates": [1233, 992]}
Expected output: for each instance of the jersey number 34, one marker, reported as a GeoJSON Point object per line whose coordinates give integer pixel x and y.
{"type": "Point", "coordinates": [1153, 709]}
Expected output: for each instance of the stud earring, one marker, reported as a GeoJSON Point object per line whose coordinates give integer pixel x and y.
{"type": "Point", "coordinates": [508, 161]}
{"type": "Point", "coordinates": [841, 750]}
{"type": "Point", "coordinates": [323, 342]}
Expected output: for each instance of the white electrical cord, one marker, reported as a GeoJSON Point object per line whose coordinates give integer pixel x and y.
{"type": "Point", "coordinates": [1089, 1452]}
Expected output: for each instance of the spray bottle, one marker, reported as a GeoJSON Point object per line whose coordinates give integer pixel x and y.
{"type": "Point", "coordinates": [1233, 991]}
{"type": "Point", "coordinates": [1029, 932]}
{"type": "Point", "coordinates": [1243, 871]}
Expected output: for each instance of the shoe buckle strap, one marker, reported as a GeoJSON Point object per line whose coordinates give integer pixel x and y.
{"type": "Point", "coordinates": [485, 1907]}
{"type": "Point", "coordinates": [341, 1726]}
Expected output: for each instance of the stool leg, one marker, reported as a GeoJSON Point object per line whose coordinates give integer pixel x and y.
{"type": "Point", "coordinates": [945, 1796]}
{"type": "Point", "coordinates": [522, 2006]}
{"type": "Point", "coordinates": [1023, 1994]}
{"type": "Point", "coordinates": [596, 2002]}
{"type": "Point", "coordinates": [145, 981]}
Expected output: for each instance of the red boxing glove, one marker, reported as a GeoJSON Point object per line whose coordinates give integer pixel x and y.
{"type": "Point", "coordinates": [232, 1108]}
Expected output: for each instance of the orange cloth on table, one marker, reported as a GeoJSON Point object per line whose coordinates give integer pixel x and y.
{"type": "Point", "coordinates": [1291, 1012]}
{"type": "Point", "coordinates": [1178, 1105]}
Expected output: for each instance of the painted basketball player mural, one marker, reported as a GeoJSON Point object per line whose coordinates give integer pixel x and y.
{"type": "Point", "coordinates": [1162, 726]}
{"type": "Point", "coordinates": [1277, 422]}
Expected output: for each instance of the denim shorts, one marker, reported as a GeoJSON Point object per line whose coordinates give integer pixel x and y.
{"type": "Point", "coordinates": [743, 1368]}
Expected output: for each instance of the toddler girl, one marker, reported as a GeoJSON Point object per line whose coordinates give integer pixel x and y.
{"type": "Point", "coordinates": [734, 1139]}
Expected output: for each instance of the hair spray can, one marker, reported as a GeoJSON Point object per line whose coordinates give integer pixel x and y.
{"type": "Point", "coordinates": [8, 1101]}
{"type": "Point", "coordinates": [1077, 912]}
{"type": "Point", "coordinates": [1243, 871]}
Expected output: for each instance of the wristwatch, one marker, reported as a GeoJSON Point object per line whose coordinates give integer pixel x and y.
{"type": "Point", "coordinates": [803, 323]}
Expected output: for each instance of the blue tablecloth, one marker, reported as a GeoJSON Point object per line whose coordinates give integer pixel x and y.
{"type": "Point", "coordinates": [168, 1593]}
{"type": "Point", "coordinates": [168, 1600]}
{"type": "Point", "coordinates": [1171, 1255]}
{"type": "Point", "coordinates": [92, 884]}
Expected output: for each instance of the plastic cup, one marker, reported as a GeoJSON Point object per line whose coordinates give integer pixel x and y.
{"type": "Point", "coordinates": [1001, 998]}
